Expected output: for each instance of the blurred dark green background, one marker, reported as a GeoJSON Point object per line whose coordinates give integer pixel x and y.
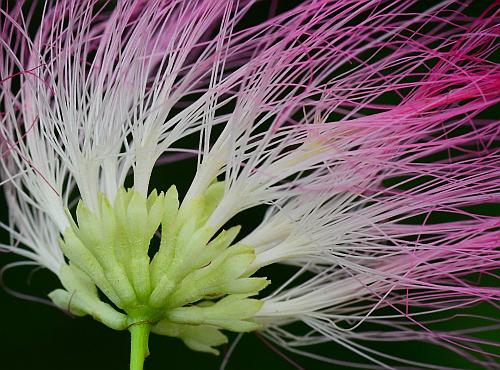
{"type": "Point", "coordinates": [38, 336]}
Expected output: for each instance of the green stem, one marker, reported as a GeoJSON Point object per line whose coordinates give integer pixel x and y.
{"type": "Point", "coordinates": [139, 334]}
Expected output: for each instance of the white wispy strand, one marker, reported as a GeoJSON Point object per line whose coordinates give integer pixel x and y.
{"type": "Point", "coordinates": [78, 126]}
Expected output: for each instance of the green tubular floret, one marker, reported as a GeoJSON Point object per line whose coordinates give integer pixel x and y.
{"type": "Point", "coordinates": [200, 338]}
{"type": "Point", "coordinates": [140, 219]}
{"type": "Point", "coordinates": [98, 233]}
{"type": "Point", "coordinates": [197, 284]}
{"type": "Point", "coordinates": [234, 312]}
{"type": "Point", "coordinates": [210, 279]}
{"type": "Point", "coordinates": [217, 246]}
{"type": "Point", "coordinates": [163, 257]}
{"type": "Point", "coordinates": [213, 196]}
{"type": "Point", "coordinates": [244, 285]}
{"type": "Point", "coordinates": [80, 256]}
{"type": "Point", "coordinates": [81, 297]}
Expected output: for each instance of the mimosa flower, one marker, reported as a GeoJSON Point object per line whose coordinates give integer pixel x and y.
{"type": "Point", "coordinates": [354, 121]}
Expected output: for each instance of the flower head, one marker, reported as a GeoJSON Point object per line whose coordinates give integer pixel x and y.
{"type": "Point", "coordinates": [354, 123]}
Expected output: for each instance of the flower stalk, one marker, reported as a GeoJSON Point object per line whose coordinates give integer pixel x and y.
{"type": "Point", "coordinates": [139, 336]}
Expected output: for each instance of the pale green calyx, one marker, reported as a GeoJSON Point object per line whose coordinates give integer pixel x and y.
{"type": "Point", "coordinates": [196, 283]}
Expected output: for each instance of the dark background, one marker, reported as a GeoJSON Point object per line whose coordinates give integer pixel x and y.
{"type": "Point", "coordinates": [38, 336]}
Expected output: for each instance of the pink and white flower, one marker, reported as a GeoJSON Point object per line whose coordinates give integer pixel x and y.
{"type": "Point", "coordinates": [356, 122]}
